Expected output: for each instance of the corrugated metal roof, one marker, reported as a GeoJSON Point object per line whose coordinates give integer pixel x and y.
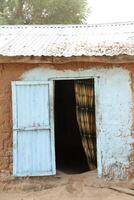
{"type": "Point", "coordinates": [67, 40]}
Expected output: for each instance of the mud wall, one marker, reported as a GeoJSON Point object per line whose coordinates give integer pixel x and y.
{"type": "Point", "coordinates": [114, 107]}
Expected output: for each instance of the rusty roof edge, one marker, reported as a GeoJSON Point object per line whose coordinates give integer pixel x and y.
{"type": "Point", "coordinates": [116, 59]}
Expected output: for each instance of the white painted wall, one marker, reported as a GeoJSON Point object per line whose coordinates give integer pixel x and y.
{"type": "Point", "coordinates": [113, 113]}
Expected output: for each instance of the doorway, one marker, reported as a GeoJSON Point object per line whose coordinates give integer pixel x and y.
{"type": "Point", "coordinates": [71, 156]}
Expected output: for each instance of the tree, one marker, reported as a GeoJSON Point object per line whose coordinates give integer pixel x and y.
{"type": "Point", "coordinates": [43, 11]}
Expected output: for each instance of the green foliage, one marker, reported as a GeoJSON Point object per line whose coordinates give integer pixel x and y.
{"type": "Point", "coordinates": [43, 11]}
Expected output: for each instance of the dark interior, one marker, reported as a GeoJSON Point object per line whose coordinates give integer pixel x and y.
{"type": "Point", "coordinates": [70, 155]}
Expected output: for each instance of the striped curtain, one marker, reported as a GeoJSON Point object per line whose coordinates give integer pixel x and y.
{"type": "Point", "coordinates": [85, 113]}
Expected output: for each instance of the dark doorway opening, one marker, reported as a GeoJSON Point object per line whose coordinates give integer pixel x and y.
{"type": "Point", "coordinates": [70, 155]}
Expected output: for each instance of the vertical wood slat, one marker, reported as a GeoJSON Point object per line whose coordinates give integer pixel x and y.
{"type": "Point", "coordinates": [33, 137]}
{"type": "Point", "coordinates": [14, 119]}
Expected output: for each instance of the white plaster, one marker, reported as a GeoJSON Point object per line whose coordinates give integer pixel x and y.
{"type": "Point", "coordinates": [113, 113]}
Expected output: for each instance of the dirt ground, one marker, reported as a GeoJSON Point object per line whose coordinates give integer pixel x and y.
{"type": "Point", "coordinates": [65, 187]}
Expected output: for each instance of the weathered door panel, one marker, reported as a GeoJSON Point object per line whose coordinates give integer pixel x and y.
{"type": "Point", "coordinates": [33, 145]}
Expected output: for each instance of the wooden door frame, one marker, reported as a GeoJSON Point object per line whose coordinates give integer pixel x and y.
{"type": "Point", "coordinates": [97, 119]}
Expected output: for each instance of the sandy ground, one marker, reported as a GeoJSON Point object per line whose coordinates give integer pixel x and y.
{"type": "Point", "coordinates": [64, 187]}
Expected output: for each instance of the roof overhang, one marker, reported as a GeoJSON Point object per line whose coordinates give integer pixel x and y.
{"type": "Point", "coordinates": [74, 59]}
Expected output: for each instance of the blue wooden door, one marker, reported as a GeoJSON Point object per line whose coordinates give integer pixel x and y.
{"type": "Point", "coordinates": [33, 128]}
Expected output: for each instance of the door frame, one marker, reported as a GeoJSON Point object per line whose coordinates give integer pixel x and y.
{"type": "Point", "coordinates": [97, 117]}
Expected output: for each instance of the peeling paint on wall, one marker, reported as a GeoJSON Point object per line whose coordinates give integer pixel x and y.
{"type": "Point", "coordinates": [113, 114]}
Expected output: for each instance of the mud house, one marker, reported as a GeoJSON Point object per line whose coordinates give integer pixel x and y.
{"type": "Point", "coordinates": [67, 91]}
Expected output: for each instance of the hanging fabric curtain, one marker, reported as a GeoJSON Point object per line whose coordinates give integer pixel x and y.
{"type": "Point", "coordinates": [85, 113]}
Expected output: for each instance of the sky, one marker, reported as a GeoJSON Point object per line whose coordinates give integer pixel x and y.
{"type": "Point", "coordinates": [111, 11]}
